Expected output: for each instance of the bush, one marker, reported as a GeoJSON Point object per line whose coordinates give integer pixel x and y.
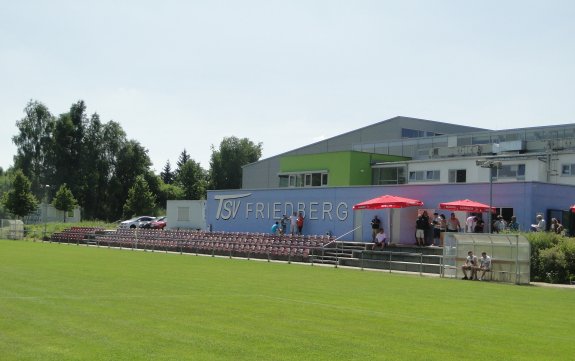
{"type": "Point", "coordinates": [540, 241]}
{"type": "Point", "coordinates": [553, 265]}
{"type": "Point", "coordinates": [552, 257]}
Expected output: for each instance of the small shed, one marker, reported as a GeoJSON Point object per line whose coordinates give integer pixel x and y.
{"type": "Point", "coordinates": [510, 255]}
{"type": "Point", "coordinates": [11, 229]}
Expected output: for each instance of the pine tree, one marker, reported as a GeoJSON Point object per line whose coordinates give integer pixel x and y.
{"type": "Point", "coordinates": [167, 175]}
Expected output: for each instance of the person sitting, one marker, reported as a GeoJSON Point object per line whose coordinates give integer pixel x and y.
{"type": "Point", "coordinates": [484, 264]}
{"type": "Point", "coordinates": [556, 226]}
{"type": "Point", "coordinates": [470, 265]}
{"type": "Point", "coordinates": [540, 226]}
{"type": "Point", "coordinates": [275, 228]}
{"type": "Point", "coordinates": [380, 239]}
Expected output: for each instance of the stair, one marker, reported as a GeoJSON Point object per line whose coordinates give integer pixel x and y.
{"type": "Point", "coordinates": [405, 258]}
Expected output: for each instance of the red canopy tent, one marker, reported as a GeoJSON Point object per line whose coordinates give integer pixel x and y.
{"type": "Point", "coordinates": [388, 201]}
{"type": "Point", "coordinates": [572, 208]}
{"type": "Point", "coordinates": [466, 205]}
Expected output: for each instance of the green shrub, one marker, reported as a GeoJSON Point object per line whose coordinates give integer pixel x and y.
{"type": "Point", "coordinates": [540, 241]}
{"type": "Point", "coordinates": [553, 265]}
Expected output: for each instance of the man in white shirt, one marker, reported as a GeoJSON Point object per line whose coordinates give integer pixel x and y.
{"type": "Point", "coordinates": [470, 223]}
{"type": "Point", "coordinates": [470, 265]}
{"type": "Point", "coordinates": [484, 264]}
{"type": "Point", "coordinates": [380, 239]}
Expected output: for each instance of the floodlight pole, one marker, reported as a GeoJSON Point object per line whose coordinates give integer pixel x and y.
{"type": "Point", "coordinates": [491, 165]}
{"type": "Point", "coordinates": [46, 187]}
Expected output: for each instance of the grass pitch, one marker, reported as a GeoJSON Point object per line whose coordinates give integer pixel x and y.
{"type": "Point", "coordinates": [64, 302]}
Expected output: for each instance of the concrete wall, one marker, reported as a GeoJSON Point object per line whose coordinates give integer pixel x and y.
{"type": "Point", "coordinates": [186, 214]}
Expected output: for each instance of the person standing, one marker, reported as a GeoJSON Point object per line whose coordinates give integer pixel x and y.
{"type": "Point", "coordinates": [375, 226]}
{"type": "Point", "coordinates": [470, 223]}
{"type": "Point", "coordinates": [299, 223]}
{"type": "Point", "coordinates": [283, 223]}
{"type": "Point", "coordinates": [293, 223]}
{"type": "Point", "coordinates": [436, 229]}
{"type": "Point", "coordinates": [453, 224]}
{"type": "Point", "coordinates": [421, 226]}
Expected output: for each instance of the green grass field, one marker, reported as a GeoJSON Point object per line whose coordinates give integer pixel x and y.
{"type": "Point", "coordinates": [64, 302]}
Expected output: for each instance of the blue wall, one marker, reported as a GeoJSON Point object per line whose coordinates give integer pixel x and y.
{"type": "Point", "coordinates": [330, 208]}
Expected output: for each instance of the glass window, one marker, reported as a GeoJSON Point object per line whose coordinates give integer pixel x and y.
{"type": "Point", "coordinates": [392, 175]}
{"type": "Point", "coordinates": [457, 176]}
{"type": "Point", "coordinates": [515, 171]}
{"type": "Point", "coordinates": [308, 180]}
{"type": "Point", "coordinates": [324, 179]}
{"type": "Point", "coordinates": [568, 169]}
{"type": "Point", "coordinates": [284, 181]}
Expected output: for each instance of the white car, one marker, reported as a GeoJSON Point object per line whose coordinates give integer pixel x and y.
{"type": "Point", "coordinates": [136, 222]}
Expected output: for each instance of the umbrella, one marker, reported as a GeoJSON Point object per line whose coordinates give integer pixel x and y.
{"type": "Point", "coordinates": [572, 208]}
{"type": "Point", "coordinates": [388, 201]}
{"type": "Point", "coordinates": [466, 205]}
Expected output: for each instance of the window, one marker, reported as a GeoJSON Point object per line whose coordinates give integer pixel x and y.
{"type": "Point", "coordinates": [568, 169]}
{"type": "Point", "coordinates": [183, 214]}
{"type": "Point", "coordinates": [513, 171]}
{"type": "Point", "coordinates": [303, 180]}
{"type": "Point", "coordinates": [394, 175]}
{"type": "Point", "coordinates": [414, 133]}
{"type": "Point", "coordinates": [424, 176]}
{"type": "Point", "coordinates": [457, 176]}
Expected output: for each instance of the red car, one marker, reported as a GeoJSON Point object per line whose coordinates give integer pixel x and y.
{"type": "Point", "coordinates": [159, 223]}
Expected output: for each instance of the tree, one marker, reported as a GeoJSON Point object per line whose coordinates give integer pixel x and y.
{"type": "Point", "coordinates": [132, 161]}
{"type": "Point", "coordinates": [140, 199]}
{"type": "Point", "coordinates": [227, 161]}
{"type": "Point", "coordinates": [68, 146]}
{"type": "Point", "coordinates": [34, 143]}
{"type": "Point", "coordinates": [192, 179]}
{"type": "Point", "coordinates": [19, 200]}
{"type": "Point", "coordinates": [64, 200]}
{"type": "Point", "coordinates": [184, 157]}
{"type": "Point", "coordinates": [167, 174]}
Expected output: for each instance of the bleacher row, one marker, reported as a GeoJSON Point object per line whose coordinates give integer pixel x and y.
{"type": "Point", "coordinates": [233, 244]}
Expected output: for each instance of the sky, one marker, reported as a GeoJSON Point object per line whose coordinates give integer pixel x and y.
{"type": "Point", "coordinates": [179, 74]}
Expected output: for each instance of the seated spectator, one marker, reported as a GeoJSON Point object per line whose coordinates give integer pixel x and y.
{"type": "Point", "coordinates": [540, 226]}
{"type": "Point", "coordinates": [380, 239]}
{"type": "Point", "coordinates": [556, 226]}
{"type": "Point", "coordinates": [276, 228]}
{"type": "Point", "coordinates": [499, 225]}
{"type": "Point", "coordinates": [471, 266]}
{"type": "Point", "coordinates": [484, 264]}
{"type": "Point", "coordinates": [513, 226]}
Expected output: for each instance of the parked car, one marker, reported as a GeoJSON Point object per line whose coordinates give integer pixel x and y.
{"type": "Point", "coordinates": [135, 222]}
{"type": "Point", "coordinates": [159, 223]}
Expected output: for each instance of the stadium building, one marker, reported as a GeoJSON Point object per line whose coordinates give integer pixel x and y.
{"type": "Point", "coordinates": [522, 172]}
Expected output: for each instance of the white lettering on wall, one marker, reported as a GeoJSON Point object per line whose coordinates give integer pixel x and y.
{"type": "Point", "coordinates": [342, 211]}
{"type": "Point", "coordinates": [259, 210]}
{"type": "Point", "coordinates": [313, 210]}
{"type": "Point", "coordinates": [226, 207]}
{"type": "Point", "coordinates": [327, 207]}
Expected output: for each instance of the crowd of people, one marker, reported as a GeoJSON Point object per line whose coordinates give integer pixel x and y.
{"type": "Point", "coordinates": [295, 222]}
